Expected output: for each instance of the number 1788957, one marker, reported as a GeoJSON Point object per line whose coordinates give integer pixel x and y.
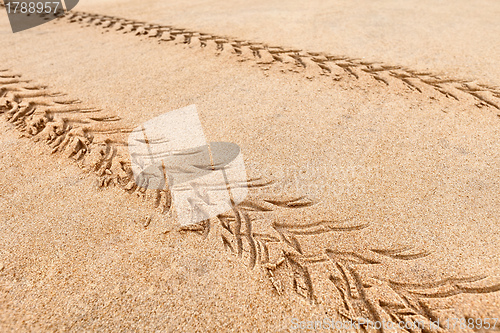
{"type": "Point", "coordinates": [31, 7]}
{"type": "Point", "coordinates": [477, 324]}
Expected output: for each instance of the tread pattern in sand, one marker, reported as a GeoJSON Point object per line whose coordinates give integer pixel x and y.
{"type": "Point", "coordinates": [360, 295]}
{"type": "Point", "coordinates": [286, 252]}
{"type": "Point", "coordinates": [299, 61]}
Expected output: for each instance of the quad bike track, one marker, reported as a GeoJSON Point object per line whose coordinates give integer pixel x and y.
{"type": "Point", "coordinates": [96, 140]}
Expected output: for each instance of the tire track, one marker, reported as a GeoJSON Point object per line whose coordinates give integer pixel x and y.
{"type": "Point", "coordinates": [469, 92]}
{"type": "Point", "coordinates": [96, 141]}
{"type": "Point", "coordinates": [251, 230]}
{"type": "Point", "coordinates": [84, 134]}
{"type": "Point", "coordinates": [293, 60]}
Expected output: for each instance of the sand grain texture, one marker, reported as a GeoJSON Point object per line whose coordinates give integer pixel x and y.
{"type": "Point", "coordinates": [373, 188]}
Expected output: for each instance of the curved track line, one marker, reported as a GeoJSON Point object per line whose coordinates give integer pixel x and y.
{"type": "Point", "coordinates": [296, 60]}
{"type": "Point", "coordinates": [279, 249]}
{"type": "Point", "coordinates": [96, 141]}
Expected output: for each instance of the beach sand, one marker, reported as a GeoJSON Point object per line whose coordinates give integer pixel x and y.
{"type": "Point", "coordinates": [372, 157]}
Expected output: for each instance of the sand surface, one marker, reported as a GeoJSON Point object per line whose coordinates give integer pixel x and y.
{"type": "Point", "coordinates": [459, 38]}
{"type": "Point", "coordinates": [373, 189]}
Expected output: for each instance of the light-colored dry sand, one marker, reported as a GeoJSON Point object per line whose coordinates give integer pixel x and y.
{"type": "Point", "coordinates": [405, 170]}
{"type": "Point", "coordinates": [76, 258]}
{"type": "Point", "coordinates": [459, 38]}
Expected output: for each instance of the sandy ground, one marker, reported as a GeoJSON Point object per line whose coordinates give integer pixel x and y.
{"type": "Point", "coordinates": [459, 38]}
{"type": "Point", "coordinates": [397, 183]}
{"type": "Point", "coordinates": [75, 258]}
